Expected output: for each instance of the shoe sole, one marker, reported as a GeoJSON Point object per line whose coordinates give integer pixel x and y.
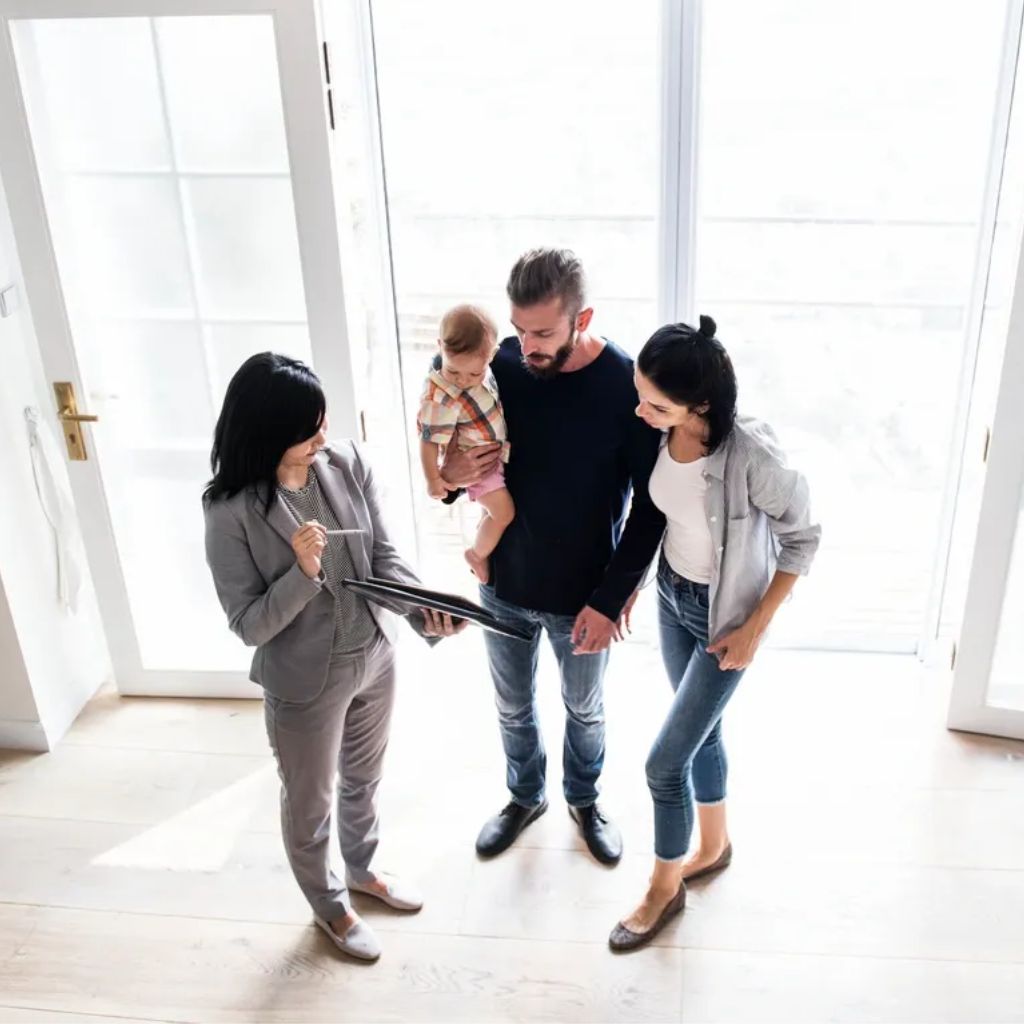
{"type": "Point", "coordinates": [488, 854]}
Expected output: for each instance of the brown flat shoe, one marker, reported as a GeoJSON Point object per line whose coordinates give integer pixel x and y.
{"type": "Point", "coordinates": [622, 939]}
{"type": "Point", "coordinates": [719, 865]}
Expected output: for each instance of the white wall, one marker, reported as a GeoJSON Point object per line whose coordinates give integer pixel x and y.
{"type": "Point", "coordinates": [20, 724]}
{"type": "Point", "coordinates": [51, 661]}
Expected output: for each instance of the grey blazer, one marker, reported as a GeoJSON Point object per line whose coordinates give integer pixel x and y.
{"type": "Point", "coordinates": [270, 602]}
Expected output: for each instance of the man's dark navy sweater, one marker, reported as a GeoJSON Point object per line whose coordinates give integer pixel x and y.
{"type": "Point", "coordinates": [577, 449]}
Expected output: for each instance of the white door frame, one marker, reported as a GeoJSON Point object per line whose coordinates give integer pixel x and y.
{"type": "Point", "coordinates": [680, 106]}
{"type": "Point", "coordinates": [959, 450]}
{"type": "Point", "coordinates": [298, 41]}
{"type": "Point", "coordinates": [969, 708]}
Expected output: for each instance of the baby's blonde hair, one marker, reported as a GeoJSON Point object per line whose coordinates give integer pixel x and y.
{"type": "Point", "coordinates": [467, 329]}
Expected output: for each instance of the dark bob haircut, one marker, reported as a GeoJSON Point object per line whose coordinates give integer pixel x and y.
{"type": "Point", "coordinates": [272, 403]}
{"type": "Point", "coordinates": [693, 369]}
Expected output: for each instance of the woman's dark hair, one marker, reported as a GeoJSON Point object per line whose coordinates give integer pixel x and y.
{"type": "Point", "coordinates": [693, 369]}
{"type": "Point", "coordinates": [272, 403]}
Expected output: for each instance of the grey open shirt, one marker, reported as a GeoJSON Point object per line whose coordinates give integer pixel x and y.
{"type": "Point", "coordinates": [759, 513]}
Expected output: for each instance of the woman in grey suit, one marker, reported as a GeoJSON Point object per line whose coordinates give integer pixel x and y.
{"type": "Point", "coordinates": [287, 519]}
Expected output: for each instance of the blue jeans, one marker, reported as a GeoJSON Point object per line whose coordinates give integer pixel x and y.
{"type": "Point", "coordinates": [688, 757]}
{"type": "Point", "coordinates": [514, 671]}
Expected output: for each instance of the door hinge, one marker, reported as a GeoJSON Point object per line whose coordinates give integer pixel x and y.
{"type": "Point", "coordinates": [952, 658]}
{"type": "Point", "coordinates": [988, 441]}
{"type": "Point", "coordinates": [327, 80]}
{"type": "Point", "coordinates": [362, 425]}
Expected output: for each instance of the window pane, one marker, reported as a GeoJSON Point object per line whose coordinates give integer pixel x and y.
{"type": "Point", "coordinates": [223, 121]}
{"type": "Point", "coordinates": [151, 379]}
{"type": "Point", "coordinates": [842, 170]}
{"type": "Point", "coordinates": [247, 248]}
{"type": "Point", "coordinates": [124, 235]}
{"type": "Point", "coordinates": [94, 78]}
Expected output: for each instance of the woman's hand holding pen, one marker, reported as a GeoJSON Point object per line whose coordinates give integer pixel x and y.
{"type": "Point", "coordinates": [308, 543]}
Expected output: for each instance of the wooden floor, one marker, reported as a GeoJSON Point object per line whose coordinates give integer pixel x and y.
{"type": "Point", "coordinates": [878, 875]}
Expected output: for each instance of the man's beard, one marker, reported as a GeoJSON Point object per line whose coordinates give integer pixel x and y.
{"type": "Point", "coordinates": [553, 367]}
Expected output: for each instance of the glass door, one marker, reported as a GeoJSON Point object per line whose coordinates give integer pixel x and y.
{"type": "Point", "coordinates": [988, 681]}
{"type": "Point", "coordinates": [170, 178]}
{"type": "Point", "coordinates": [538, 125]}
{"type": "Point", "coordinates": [843, 159]}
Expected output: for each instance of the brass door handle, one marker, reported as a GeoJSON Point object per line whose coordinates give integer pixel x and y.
{"type": "Point", "coordinates": [70, 417]}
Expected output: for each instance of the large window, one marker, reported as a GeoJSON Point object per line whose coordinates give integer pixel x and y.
{"type": "Point", "coordinates": [504, 128]}
{"type": "Point", "coordinates": [843, 154]}
{"type": "Point", "coordinates": [842, 159]}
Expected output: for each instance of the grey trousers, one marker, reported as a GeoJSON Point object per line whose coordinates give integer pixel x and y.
{"type": "Point", "coordinates": [330, 752]}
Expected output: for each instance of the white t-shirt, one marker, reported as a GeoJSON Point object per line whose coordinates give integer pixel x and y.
{"type": "Point", "coordinates": [678, 489]}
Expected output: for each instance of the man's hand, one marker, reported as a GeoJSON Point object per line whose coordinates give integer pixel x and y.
{"type": "Point", "coordinates": [460, 469]}
{"type": "Point", "coordinates": [437, 488]}
{"type": "Point", "coordinates": [592, 632]}
{"type": "Point", "coordinates": [736, 650]}
{"type": "Point", "coordinates": [441, 624]}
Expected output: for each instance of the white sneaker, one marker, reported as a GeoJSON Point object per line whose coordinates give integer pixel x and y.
{"type": "Point", "coordinates": [359, 941]}
{"type": "Point", "coordinates": [398, 894]}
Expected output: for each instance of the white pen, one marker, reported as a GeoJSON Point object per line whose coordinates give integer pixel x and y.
{"type": "Point", "coordinates": [335, 533]}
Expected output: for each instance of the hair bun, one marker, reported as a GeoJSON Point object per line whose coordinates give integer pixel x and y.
{"type": "Point", "coordinates": [708, 327]}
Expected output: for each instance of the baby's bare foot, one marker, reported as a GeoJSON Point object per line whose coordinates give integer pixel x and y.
{"type": "Point", "coordinates": [481, 568]}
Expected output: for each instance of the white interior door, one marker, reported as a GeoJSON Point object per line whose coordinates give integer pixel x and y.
{"type": "Point", "coordinates": [168, 168]}
{"type": "Point", "coordinates": [988, 682]}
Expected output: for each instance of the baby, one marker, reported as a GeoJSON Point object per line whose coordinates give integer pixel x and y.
{"type": "Point", "coordinates": [460, 401]}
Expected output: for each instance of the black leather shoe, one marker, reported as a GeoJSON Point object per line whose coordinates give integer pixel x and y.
{"type": "Point", "coordinates": [603, 838]}
{"type": "Point", "coordinates": [501, 831]}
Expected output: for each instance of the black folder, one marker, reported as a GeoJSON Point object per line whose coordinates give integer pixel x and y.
{"type": "Point", "coordinates": [389, 593]}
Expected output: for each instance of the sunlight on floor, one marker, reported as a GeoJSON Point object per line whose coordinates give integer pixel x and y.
{"type": "Point", "coordinates": [198, 839]}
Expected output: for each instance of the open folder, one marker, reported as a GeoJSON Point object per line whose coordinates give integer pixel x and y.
{"type": "Point", "coordinates": [389, 593]}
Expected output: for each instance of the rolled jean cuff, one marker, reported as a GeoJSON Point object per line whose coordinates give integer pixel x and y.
{"type": "Point", "coordinates": [670, 860]}
{"type": "Point", "coordinates": [710, 803]}
{"type": "Point", "coordinates": [529, 805]}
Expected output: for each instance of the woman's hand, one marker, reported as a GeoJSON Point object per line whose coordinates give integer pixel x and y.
{"type": "Point", "coordinates": [308, 543]}
{"type": "Point", "coordinates": [736, 650]}
{"type": "Point", "coordinates": [460, 469]}
{"type": "Point", "coordinates": [625, 624]}
{"type": "Point", "coordinates": [441, 624]}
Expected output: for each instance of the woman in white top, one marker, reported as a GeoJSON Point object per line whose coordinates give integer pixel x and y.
{"type": "Point", "coordinates": [738, 536]}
